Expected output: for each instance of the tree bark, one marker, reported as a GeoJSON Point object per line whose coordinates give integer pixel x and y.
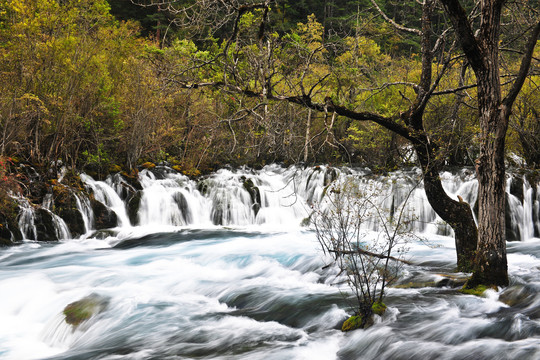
{"type": "Point", "coordinates": [482, 52]}
{"type": "Point", "coordinates": [457, 214]}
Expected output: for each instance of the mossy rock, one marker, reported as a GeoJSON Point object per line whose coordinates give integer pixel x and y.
{"type": "Point", "coordinates": [378, 308]}
{"type": "Point", "coordinates": [192, 173]}
{"type": "Point", "coordinates": [113, 169]}
{"type": "Point", "coordinates": [82, 310]}
{"type": "Point", "coordinates": [177, 168]}
{"type": "Point", "coordinates": [352, 323]}
{"type": "Point", "coordinates": [9, 227]}
{"type": "Point", "coordinates": [148, 165]}
{"type": "Point", "coordinates": [415, 285]}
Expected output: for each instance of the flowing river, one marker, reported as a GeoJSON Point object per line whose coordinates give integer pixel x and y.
{"type": "Point", "coordinates": [212, 270]}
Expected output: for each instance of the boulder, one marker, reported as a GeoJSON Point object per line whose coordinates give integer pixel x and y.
{"type": "Point", "coordinates": [44, 224]}
{"type": "Point", "coordinates": [254, 194]}
{"type": "Point", "coordinates": [65, 206]}
{"type": "Point", "coordinates": [82, 310]}
{"type": "Point", "coordinates": [104, 217]}
{"type": "Point", "coordinates": [9, 228]}
{"type": "Point", "coordinates": [133, 205]}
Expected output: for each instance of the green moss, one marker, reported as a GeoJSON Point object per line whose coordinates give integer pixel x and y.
{"type": "Point", "coordinates": [477, 291]}
{"type": "Point", "coordinates": [148, 165]}
{"type": "Point", "coordinates": [378, 308]}
{"type": "Point", "coordinates": [177, 168]}
{"type": "Point", "coordinates": [77, 313]}
{"type": "Point", "coordinates": [352, 323]}
{"type": "Point", "coordinates": [84, 309]}
{"type": "Point", "coordinates": [115, 168]}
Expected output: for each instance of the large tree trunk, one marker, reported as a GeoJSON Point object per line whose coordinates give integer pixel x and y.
{"type": "Point", "coordinates": [457, 214]}
{"type": "Point", "coordinates": [491, 266]}
{"type": "Point", "coordinates": [482, 52]}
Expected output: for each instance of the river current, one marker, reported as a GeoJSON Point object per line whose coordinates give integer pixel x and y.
{"type": "Point", "coordinates": [209, 277]}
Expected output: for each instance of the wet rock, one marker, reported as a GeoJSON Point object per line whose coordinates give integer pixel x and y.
{"type": "Point", "coordinates": [82, 310]}
{"type": "Point", "coordinates": [133, 204]}
{"type": "Point", "coordinates": [517, 296]}
{"type": "Point", "coordinates": [511, 230]}
{"type": "Point", "coordinates": [104, 217]}
{"type": "Point", "coordinates": [183, 205]}
{"type": "Point", "coordinates": [9, 232]}
{"type": "Point", "coordinates": [452, 280]}
{"type": "Point", "coordinates": [103, 234]}
{"type": "Point", "coordinates": [9, 228]}
{"type": "Point", "coordinates": [254, 194]}
{"type": "Point", "coordinates": [516, 187]}
{"type": "Point", "coordinates": [44, 224]}
{"type": "Point", "coordinates": [330, 175]}
{"type": "Point", "coordinates": [131, 180]}
{"type": "Point", "coordinates": [65, 206]}
{"type": "Point", "coordinates": [352, 323]}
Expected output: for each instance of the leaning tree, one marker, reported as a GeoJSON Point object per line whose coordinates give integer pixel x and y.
{"type": "Point", "coordinates": [270, 67]}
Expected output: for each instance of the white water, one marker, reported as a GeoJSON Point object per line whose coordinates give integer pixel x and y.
{"type": "Point", "coordinates": [179, 286]}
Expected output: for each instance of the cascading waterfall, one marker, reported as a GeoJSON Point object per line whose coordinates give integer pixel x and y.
{"type": "Point", "coordinates": [170, 200]}
{"type": "Point", "coordinates": [26, 220]}
{"type": "Point", "coordinates": [276, 196]}
{"type": "Point", "coordinates": [84, 207]}
{"type": "Point", "coordinates": [104, 193]}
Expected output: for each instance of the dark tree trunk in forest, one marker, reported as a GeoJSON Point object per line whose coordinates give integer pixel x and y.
{"type": "Point", "coordinates": [482, 52]}
{"type": "Point", "coordinates": [457, 214]}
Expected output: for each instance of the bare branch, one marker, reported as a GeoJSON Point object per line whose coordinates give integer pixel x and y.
{"type": "Point", "coordinates": [465, 34]}
{"type": "Point", "coordinates": [523, 69]}
{"type": "Point", "coordinates": [394, 24]}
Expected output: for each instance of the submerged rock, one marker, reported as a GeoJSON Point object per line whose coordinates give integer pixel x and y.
{"type": "Point", "coordinates": [82, 310]}
{"type": "Point", "coordinates": [518, 296]}
{"type": "Point", "coordinates": [352, 323]}
{"type": "Point", "coordinates": [364, 321]}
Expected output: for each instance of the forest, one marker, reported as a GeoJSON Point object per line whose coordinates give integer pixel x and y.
{"type": "Point", "coordinates": [97, 84]}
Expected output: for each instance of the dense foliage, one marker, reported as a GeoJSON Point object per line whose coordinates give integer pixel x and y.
{"type": "Point", "coordinates": [91, 89]}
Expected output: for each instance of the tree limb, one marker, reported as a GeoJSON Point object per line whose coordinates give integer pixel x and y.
{"type": "Point", "coordinates": [508, 101]}
{"type": "Point", "coordinates": [463, 29]}
{"type": "Point", "coordinates": [369, 253]}
{"type": "Point", "coordinates": [395, 24]}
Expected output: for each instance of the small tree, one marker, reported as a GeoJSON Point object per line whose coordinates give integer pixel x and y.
{"type": "Point", "coordinates": [365, 257]}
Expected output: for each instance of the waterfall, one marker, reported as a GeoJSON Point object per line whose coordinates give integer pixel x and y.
{"type": "Point", "coordinates": [104, 193]}
{"type": "Point", "coordinates": [170, 200]}
{"type": "Point", "coordinates": [33, 222]}
{"type": "Point", "coordinates": [275, 196]}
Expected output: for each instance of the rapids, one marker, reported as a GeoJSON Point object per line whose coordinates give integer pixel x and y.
{"type": "Point", "coordinates": [216, 270]}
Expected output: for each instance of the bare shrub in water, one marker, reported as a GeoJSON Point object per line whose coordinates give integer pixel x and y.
{"type": "Point", "coordinates": [366, 242]}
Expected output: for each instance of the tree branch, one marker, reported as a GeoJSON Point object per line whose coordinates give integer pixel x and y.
{"type": "Point", "coordinates": [395, 24]}
{"type": "Point", "coordinates": [508, 101]}
{"type": "Point", "coordinates": [465, 34]}
{"type": "Point", "coordinates": [369, 253]}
